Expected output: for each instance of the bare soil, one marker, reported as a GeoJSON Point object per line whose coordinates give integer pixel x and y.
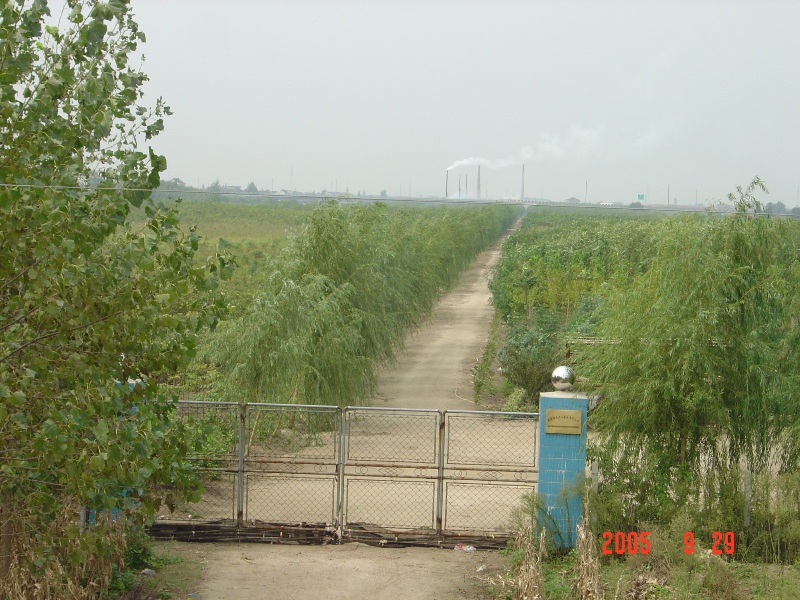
{"type": "Point", "coordinates": [434, 371]}
{"type": "Point", "coordinates": [347, 572]}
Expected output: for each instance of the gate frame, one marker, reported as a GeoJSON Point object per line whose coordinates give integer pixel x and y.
{"type": "Point", "coordinates": [336, 531]}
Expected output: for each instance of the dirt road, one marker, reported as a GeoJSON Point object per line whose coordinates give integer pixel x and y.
{"type": "Point", "coordinates": [433, 372]}
{"type": "Point", "coordinates": [435, 369]}
{"type": "Point", "coordinates": [347, 572]}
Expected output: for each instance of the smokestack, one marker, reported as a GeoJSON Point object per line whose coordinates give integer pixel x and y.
{"type": "Point", "coordinates": [522, 191]}
{"type": "Point", "coordinates": [478, 196]}
{"type": "Point", "coordinates": [446, 181]}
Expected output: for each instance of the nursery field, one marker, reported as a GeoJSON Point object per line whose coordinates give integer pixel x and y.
{"type": "Point", "coordinates": [685, 329]}
{"type": "Point", "coordinates": [669, 297]}
{"type": "Point", "coordinates": [250, 232]}
{"type": "Point", "coordinates": [616, 245]}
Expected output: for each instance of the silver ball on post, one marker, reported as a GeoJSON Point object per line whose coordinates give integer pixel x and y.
{"type": "Point", "coordinates": [563, 377]}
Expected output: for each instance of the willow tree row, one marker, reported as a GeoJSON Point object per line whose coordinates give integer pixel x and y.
{"type": "Point", "coordinates": [341, 297]}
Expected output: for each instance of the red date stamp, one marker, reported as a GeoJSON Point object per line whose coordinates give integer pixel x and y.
{"type": "Point", "coordinates": [638, 542]}
{"type": "Point", "coordinates": [620, 542]}
{"type": "Point", "coordinates": [721, 541]}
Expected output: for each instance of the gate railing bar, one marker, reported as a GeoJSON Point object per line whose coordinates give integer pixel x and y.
{"type": "Point", "coordinates": [502, 469]}
{"type": "Point", "coordinates": [341, 450]}
{"type": "Point", "coordinates": [303, 407]}
{"type": "Point", "coordinates": [240, 476]}
{"type": "Point", "coordinates": [387, 409]}
{"type": "Point", "coordinates": [215, 469]}
{"type": "Point", "coordinates": [527, 415]}
{"type": "Point", "coordinates": [440, 477]}
{"type": "Point", "coordinates": [398, 464]}
{"type": "Point", "coordinates": [513, 481]}
{"type": "Point", "coordinates": [290, 461]}
{"type": "Point", "coordinates": [207, 402]}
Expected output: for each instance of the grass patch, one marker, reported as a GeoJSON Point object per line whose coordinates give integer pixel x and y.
{"type": "Point", "coordinates": [775, 582]}
{"type": "Point", "coordinates": [177, 566]}
{"type": "Point", "coordinates": [251, 233]}
{"type": "Point", "coordinates": [486, 379]}
{"type": "Point", "coordinates": [712, 579]}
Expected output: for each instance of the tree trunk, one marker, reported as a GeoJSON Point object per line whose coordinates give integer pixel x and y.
{"type": "Point", "coordinates": [682, 447]}
{"type": "Point", "coordinates": [6, 539]}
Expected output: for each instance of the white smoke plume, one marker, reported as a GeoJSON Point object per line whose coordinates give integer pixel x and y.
{"type": "Point", "coordinates": [579, 141]}
{"type": "Point", "coordinates": [489, 163]}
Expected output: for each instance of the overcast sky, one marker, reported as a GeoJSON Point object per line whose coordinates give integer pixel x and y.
{"type": "Point", "coordinates": [624, 98]}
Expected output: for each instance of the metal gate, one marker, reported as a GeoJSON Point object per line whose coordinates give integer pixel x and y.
{"type": "Point", "coordinates": [277, 471]}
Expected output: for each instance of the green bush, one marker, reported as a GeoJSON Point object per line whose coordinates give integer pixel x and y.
{"type": "Point", "coordinates": [774, 533]}
{"type": "Point", "coordinates": [519, 401]}
{"type": "Point", "coordinates": [529, 355]}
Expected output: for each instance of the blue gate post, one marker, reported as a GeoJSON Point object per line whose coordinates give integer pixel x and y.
{"type": "Point", "coordinates": [562, 461]}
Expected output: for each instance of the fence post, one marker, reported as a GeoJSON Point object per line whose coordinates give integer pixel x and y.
{"type": "Point", "coordinates": [562, 460]}
{"type": "Point", "coordinates": [340, 450]}
{"type": "Point", "coordinates": [440, 475]}
{"type": "Point", "coordinates": [240, 467]}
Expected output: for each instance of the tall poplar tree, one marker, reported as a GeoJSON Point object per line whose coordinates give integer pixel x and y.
{"type": "Point", "coordinates": [86, 302]}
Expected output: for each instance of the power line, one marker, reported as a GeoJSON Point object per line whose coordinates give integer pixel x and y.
{"type": "Point", "coordinates": [87, 188]}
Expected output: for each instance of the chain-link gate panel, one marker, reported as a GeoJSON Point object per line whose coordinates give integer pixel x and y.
{"type": "Point", "coordinates": [390, 468]}
{"type": "Point", "coordinates": [289, 499]}
{"type": "Point", "coordinates": [211, 430]}
{"type": "Point", "coordinates": [482, 507]}
{"type": "Point", "coordinates": [359, 471]}
{"type": "Point", "coordinates": [392, 435]}
{"type": "Point", "coordinates": [489, 464]}
{"type": "Point", "coordinates": [390, 503]}
{"type": "Point", "coordinates": [291, 455]}
{"type": "Point", "coordinates": [491, 439]}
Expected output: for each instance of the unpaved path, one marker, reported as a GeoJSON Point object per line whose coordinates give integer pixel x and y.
{"type": "Point", "coordinates": [347, 572]}
{"type": "Point", "coordinates": [434, 371]}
